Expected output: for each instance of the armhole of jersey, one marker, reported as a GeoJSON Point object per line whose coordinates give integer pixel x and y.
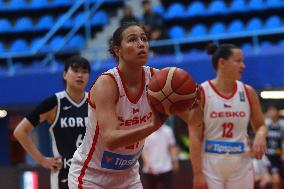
{"type": "Point", "coordinates": [57, 112]}
{"type": "Point", "coordinates": [118, 93]}
{"type": "Point", "coordinates": [203, 98]}
{"type": "Point", "coordinates": [247, 93]}
{"type": "Point", "coordinates": [152, 71]}
{"type": "Point", "coordinates": [93, 105]}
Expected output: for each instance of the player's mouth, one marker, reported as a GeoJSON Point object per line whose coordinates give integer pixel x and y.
{"type": "Point", "coordinates": [143, 53]}
{"type": "Point", "coordinates": [79, 81]}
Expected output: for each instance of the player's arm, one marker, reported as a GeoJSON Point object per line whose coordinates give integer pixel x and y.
{"type": "Point", "coordinates": [104, 95]}
{"type": "Point", "coordinates": [146, 160]}
{"type": "Point", "coordinates": [257, 122]}
{"type": "Point", "coordinates": [194, 120]}
{"type": "Point", "coordinates": [174, 157]}
{"type": "Point", "coordinates": [45, 111]}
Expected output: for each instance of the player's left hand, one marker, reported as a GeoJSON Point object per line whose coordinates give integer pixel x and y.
{"type": "Point", "coordinates": [259, 146]}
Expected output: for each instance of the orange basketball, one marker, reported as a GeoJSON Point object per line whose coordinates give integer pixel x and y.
{"type": "Point", "coordinates": [171, 91]}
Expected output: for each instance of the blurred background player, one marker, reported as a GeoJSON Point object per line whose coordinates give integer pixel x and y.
{"type": "Point", "coordinates": [220, 150]}
{"type": "Point", "coordinates": [160, 158]}
{"type": "Point", "coordinates": [66, 112]}
{"type": "Point", "coordinates": [119, 117]}
{"type": "Point", "coordinates": [150, 19]}
{"type": "Point", "coordinates": [275, 148]}
{"type": "Point", "coordinates": [128, 15]}
{"type": "Point", "coordinates": [262, 175]}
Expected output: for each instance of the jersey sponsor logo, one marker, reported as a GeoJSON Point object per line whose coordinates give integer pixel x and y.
{"type": "Point", "coordinates": [224, 147]}
{"type": "Point", "coordinates": [116, 161]}
{"type": "Point", "coordinates": [63, 180]}
{"type": "Point", "coordinates": [227, 114]}
{"type": "Point", "coordinates": [227, 105]}
{"type": "Point", "coordinates": [135, 120]}
{"type": "Point", "coordinates": [242, 96]}
{"type": "Point", "coordinates": [66, 122]}
{"type": "Point", "coordinates": [67, 107]}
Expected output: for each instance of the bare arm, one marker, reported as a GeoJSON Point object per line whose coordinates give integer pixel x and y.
{"type": "Point", "coordinates": [194, 120]}
{"type": "Point", "coordinates": [257, 121]}
{"type": "Point", "coordinates": [22, 134]}
{"type": "Point", "coordinates": [146, 161]}
{"type": "Point", "coordinates": [104, 95]}
{"type": "Point", "coordinates": [174, 156]}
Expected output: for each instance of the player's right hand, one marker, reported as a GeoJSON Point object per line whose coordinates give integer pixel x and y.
{"type": "Point", "coordinates": [52, 163]}
{"type": "Point", "coordinates": [199, 182]}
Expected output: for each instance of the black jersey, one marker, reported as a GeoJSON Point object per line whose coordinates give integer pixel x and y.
{"type": "Point", "coordinates": [275, 137]}
{"type": "Point", "coordinates": [67, 132]}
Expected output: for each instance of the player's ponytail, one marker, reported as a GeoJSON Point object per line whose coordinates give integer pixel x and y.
{"type": "Point", "coordinates": [223, 51]}
{"type": "Point", "coordinates": [211, 48]}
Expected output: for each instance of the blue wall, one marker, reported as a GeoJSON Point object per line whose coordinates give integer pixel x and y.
{"type": "Point", "coordinates": [265, 70]}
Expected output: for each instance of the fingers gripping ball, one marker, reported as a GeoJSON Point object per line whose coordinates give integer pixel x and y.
{"type": "Point", "coordinates": [171, 91]}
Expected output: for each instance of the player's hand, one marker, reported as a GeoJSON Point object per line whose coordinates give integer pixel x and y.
{"type": "Point", "coordinates": [52, 163]}
{"type": "Point", "coordinates": [199, 182]}
{"type": "Point", "coordinates": [175, 166]}
{"type": "Point", "coordinates": [150, 170]}
{"type": "Point", "coordinates": [259, 146]}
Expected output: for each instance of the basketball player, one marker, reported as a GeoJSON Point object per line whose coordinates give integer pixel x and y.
{"type": "Point", "coordinates": [66, 112]}
{"type": "Point", "coordinates": [220, 150]}
{"type": "Point", "coordinates": [275, 145]}
{"type": "Point", "coordinates": [119, 118]}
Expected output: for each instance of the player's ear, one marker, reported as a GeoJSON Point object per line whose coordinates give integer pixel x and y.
{"type": "Point", "coordinates": [116, 51]}
{"type": "Point", "coordinates": [221, 62]}
{"type": "Point", "coordinates": [64, 75]}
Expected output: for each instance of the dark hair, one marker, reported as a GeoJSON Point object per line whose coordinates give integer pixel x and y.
{"type": "Point", "coordinates": [145, 2]}
{"type": "Point", "coordinates": [116, 39]}
{"type": "Point", "coordinates": [77, 62]}
{"type": "Point", "coordinates": [223, 51]}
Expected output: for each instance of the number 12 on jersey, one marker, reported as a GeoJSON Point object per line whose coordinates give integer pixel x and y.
{"type": "Point", "coordinates": [228, 130]}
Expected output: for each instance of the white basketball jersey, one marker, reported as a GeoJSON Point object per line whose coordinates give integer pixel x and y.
{"type": "Point", "coordinates": [226, 120]}
{"type": "Point", "coordinates": [93, 153]}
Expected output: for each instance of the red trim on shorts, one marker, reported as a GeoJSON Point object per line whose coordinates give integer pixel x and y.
{"type": "Point", "coordinates": [152, 71]}
{"type": "Point", "coordinates": [247, 93]}
{"type": "Point", "coordinates": [219, 94]}
{"type": "Point", "coordinates": [89, 157]}
{"type": "Point", "coordinates": [203, 98]}
{"type": "Point", "coordinates": [134, 101]}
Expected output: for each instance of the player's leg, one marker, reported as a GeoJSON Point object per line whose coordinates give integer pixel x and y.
{"type": "Point", "coordinates": [212, 173]}
{"type": "Point", "coordinates": [150, 181]}
{"type": "Point", "coordinates": [167, 180]}
{"type": "Point", "coordinates": [243, 177]}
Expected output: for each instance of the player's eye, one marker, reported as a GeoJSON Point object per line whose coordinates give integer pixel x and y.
{"type": "Point", "coordinates": [144, 38]}
{"type": "Point", "coordinates": [132, 39]}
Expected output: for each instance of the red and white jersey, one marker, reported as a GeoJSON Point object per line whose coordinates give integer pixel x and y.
{"type": "Point", "coordinates": [93, 152]}
{"type": "Point", "coordinates": [226, 120]}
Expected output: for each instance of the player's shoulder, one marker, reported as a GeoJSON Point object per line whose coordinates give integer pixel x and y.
{"type": "Point", "coordinates": [52, 99]}
{"type": "Point", "coordinates": [60, 94]}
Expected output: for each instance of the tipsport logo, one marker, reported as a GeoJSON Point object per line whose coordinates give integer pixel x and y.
{"type": "Point", "coordinates": [224, 147]}
{"type": "Point", "coordinates": [116, 161]}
